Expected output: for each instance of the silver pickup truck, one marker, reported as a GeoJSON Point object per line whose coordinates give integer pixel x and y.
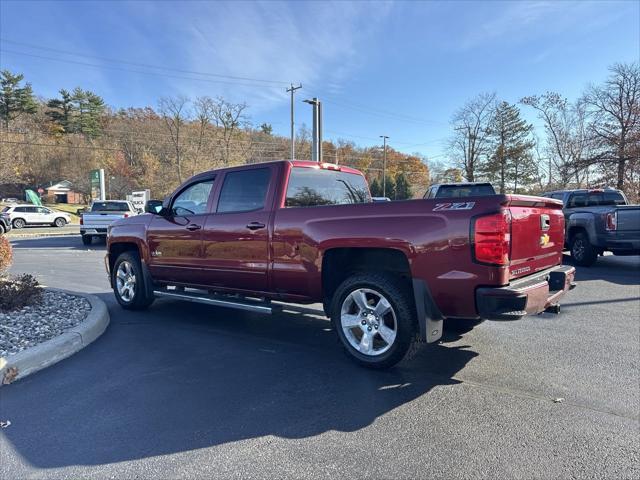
{"type": "Point", "coordinates": [95, 223]}
{"type": "Point", "coordinates": [599, 220]}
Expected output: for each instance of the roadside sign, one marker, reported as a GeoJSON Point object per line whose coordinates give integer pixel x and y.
{"type": "Point", "coordinates": [96, 181]}
{"type": "Point", "coordinates": [140, 198]}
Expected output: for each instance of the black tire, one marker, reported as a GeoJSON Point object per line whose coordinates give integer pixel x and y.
{"type": "Point", "coordinates": [2, 229]}
{"type": "Point", "coordinates": [87, 239]}
{"type": "Point", "coordinates": [582, 252]}
{"type": "Point", "coordinates": [59, 222]}
{"type": "Point", "coordinates": [19, 223]}
{"type": "Point", "coordinates": [401, 301]}
{"type": "Point", "coordinates": [141, 298]}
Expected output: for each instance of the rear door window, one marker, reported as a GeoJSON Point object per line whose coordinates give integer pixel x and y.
{"type": "Point", "coordinates": [312, 187]}
{"type": "Point", "coordinates": [244, 190]}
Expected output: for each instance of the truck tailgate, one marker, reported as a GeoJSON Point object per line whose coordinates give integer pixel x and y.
{"type": "Point", "coordinates": [537, 234]}
{"type": "Point", "coordinates": [100, 220]}
{"type": "Point", "coordinates": [628, 218]}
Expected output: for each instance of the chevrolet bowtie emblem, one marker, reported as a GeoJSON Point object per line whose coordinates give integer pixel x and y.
{"type": "Point", "coordinates": [544, 240]}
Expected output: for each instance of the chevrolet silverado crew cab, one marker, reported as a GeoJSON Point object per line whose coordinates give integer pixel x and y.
{"type": "Point", "coordinates": [387, 273]}
{"type": "Point", "coordinates": [596, 221]}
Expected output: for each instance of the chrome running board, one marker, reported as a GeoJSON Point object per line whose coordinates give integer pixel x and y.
{"type": "Point", "coordinates": [221, 301]}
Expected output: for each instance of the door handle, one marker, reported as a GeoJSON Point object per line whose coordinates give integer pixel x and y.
{"type": "Point", "coordinates": [193, 227]}
{"type": "Point", "coordinates": [255, 226]}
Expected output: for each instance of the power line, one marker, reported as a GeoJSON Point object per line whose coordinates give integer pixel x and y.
{"type": "Point", "coordinates": [207, 80]}
{"type": "Point", "coordinates": [144, 65]}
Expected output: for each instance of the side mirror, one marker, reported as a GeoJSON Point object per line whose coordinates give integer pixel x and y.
{"type": "Point", "coordinates": [153, 206]}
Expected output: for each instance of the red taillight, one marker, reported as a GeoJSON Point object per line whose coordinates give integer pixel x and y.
{"type": "Point", "coordinates": [612, 221]}
{"type": "Point", "coordinates": [126, 215]}
{"type": "Point", "coordinates": [81, 220]}
{"type": "Point", "coordinates": [492, 238]}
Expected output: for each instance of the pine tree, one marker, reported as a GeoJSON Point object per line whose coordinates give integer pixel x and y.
{"type": "Point", "coordinates": [14, 99]}
{"type": "Point", "coordinates": [60, 111]}
{"type": "Point", "coordinates": [90, 109]}
{"type": "Point", "coordinates": [390, 189]}
{"type": "Point", "coordinates": [375, 188]}
{"type": "Point", "coordinates": [510, 162]}
{"type": "Point", "coordinates": [403, 189]}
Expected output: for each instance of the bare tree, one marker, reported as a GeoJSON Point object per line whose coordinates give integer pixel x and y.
{"type": "Point", "coordinates": [203, 111]}
{"type": "Point", "coordinates": [470, 140]}
{"type": "Point", "coordinates": [174, 111]}
{"type": "Point", "coordinates": [567, 141]}
{"type": "Point", "coordinates": [615, 118]}
{"type": "Point", "coordinates": [230, 118]}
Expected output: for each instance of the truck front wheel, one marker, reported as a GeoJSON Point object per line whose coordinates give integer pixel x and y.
{"type": "Point", "coordinates": [128, 282]}
{"type": "Point", "coordinates": [374, 318]}
{"type": "Point", "coordinates": [582, 251]}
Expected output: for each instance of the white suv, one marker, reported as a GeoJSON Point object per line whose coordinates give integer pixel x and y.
{"type": "Point", "coordinates": [21, 215]}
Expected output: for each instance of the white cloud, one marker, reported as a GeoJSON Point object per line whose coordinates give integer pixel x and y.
{"type": "Point", "coordinates": [315, 43]}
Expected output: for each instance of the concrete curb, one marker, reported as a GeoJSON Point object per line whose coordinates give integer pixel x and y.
{"type": "Point", "coordinates": [52, 351]}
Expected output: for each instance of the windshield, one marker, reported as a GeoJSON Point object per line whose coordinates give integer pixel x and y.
{"type": "Point", "coordinates": [110, 207]}
{"type": "Point", "coordinates": [5, 209]}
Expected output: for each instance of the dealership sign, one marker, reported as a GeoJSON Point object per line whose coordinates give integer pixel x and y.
{"type": "Point", "coordinates": [96, 181]}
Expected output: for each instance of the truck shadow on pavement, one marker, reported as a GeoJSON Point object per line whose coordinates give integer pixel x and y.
{"type": "Point", "coordinates": [623, 270]}
{"type": "Point", "coordinates": [180, 377]}
{"type": "Point", "coordinates": [68, 242]}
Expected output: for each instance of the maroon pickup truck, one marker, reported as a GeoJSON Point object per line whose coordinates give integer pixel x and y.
{"type": "Point", "coordinates": [387, 273]}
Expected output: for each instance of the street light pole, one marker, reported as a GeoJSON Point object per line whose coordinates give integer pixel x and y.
{"type": "Point", "coordinates": [316, 147]}
{"type": "Point", "coordinates": [293, 138]}
{"type": "Point", "coordinates": [384, 166]}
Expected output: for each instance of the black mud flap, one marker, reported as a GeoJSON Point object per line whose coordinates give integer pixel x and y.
{"type": "Point", "coordinates": [430, 319]}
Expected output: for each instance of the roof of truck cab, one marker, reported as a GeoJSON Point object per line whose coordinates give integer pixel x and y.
{"type": "Point", "coordinates": [295, 163]}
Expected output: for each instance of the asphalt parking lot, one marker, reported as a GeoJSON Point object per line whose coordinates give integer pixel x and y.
{"type": "Point", "coordinates": [186, 390]}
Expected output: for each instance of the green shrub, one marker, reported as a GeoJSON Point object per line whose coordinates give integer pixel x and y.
{"type": "Point", "coordinates": [6, 254]}
{"type": "Point", "coordinates": [20, 291]}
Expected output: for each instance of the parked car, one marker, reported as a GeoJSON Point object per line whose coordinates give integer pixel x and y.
{"type": "Point", "coordinates": [103, 213]}
{"type": "Point", "coordinates": [23, 215]}
{"type": "Point", "coordinates": [598, 220]}
{"type": "Point", "coordinates": [9, 200]}
{"type": "Point", "coordinates": [459, 190]}
{"type": "Point", "coordinates": [387, 273]}
{"type": "Point", "coordinates": [5, 223]}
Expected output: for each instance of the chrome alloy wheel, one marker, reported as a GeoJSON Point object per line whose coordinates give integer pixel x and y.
{"type": "Point", "coordinates": [368, 322]}
{"type": "Point", "coordinates": [126, 281]}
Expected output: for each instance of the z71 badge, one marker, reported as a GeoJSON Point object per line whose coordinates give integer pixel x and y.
{"type": "Point", "coordinates": [453, 206]}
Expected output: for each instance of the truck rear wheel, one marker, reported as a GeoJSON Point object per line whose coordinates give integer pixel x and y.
{"type": "Point", "coordinates": [127, 281]}
{"type": "Point", "coordinates": [582, 252]}
{"type": "Point", "coordinates": [374, 318]}
{"type": "Point", "coordinates": [87, 239]}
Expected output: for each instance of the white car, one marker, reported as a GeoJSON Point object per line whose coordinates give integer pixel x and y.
{"type": "Point", "coordinates": [22, 215]}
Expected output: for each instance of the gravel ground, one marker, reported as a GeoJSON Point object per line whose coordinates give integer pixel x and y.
{"type": "Point", "coordinates": [35, 324]}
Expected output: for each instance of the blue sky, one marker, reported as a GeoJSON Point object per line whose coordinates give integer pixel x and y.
{"type": "Point", "coordinates": [394, 68]}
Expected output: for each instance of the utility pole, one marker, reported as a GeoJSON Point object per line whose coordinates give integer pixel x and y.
{"type": "Point", "coordinates": [293, 134]}
{"type": "Point", "coordinates": [384, 166]}
{"type": "Point", "coordinates": [316, 148]}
